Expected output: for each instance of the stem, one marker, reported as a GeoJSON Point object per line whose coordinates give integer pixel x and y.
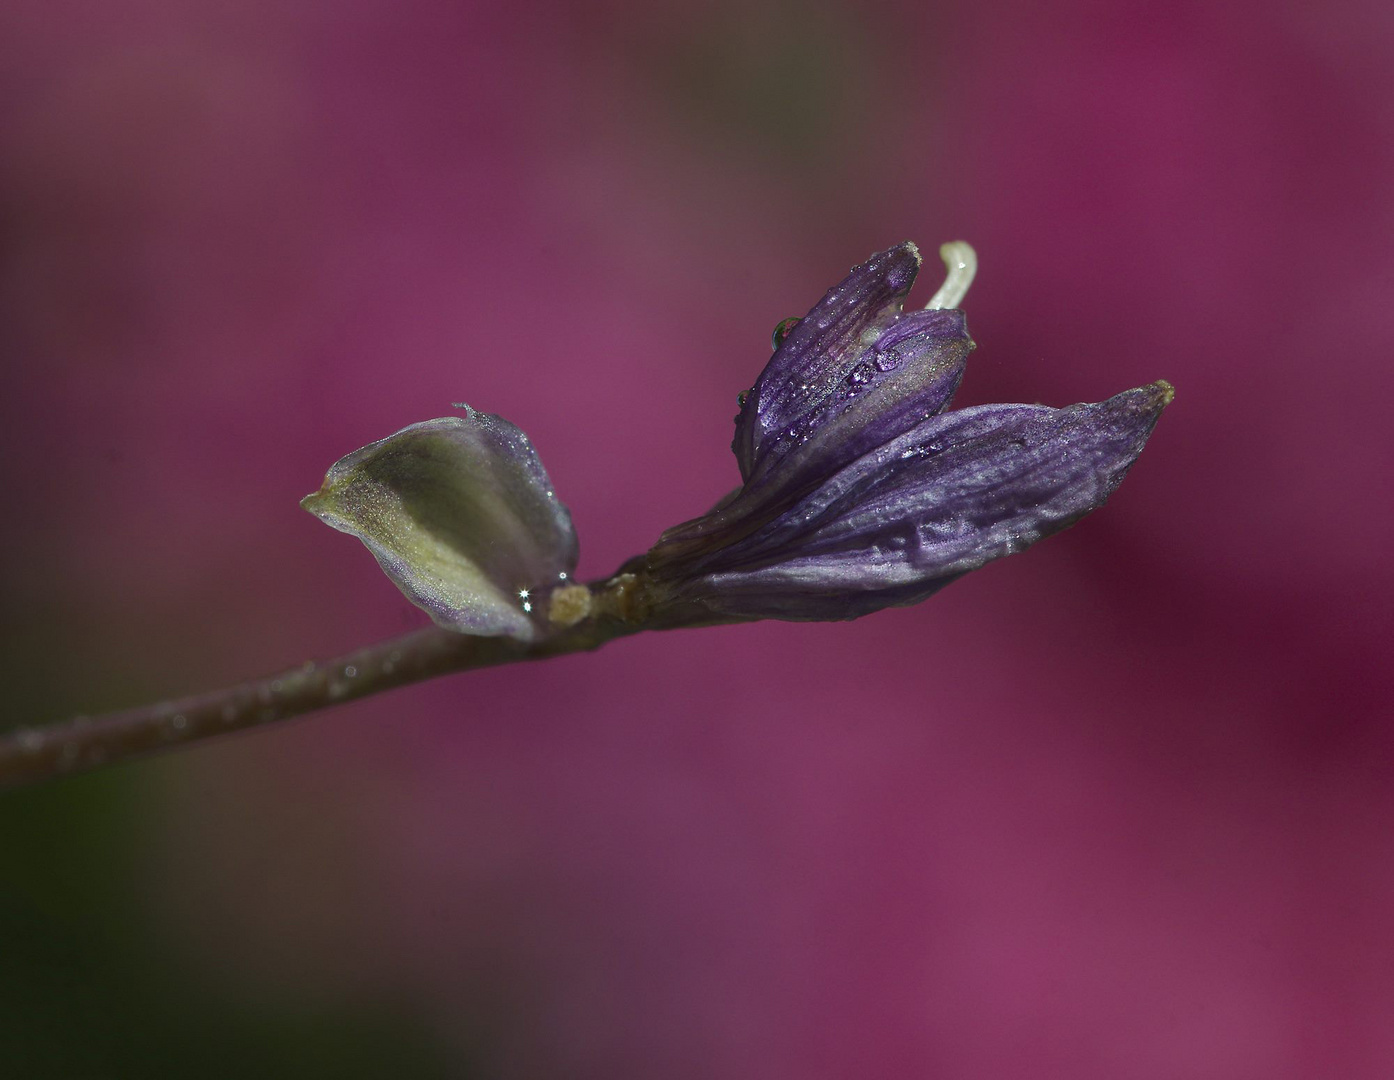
{"type": "Point", "coordinates": [36, 754]}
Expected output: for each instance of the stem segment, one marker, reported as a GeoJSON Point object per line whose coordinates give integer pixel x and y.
{"type": "Point", "coordinates": [36, 754]}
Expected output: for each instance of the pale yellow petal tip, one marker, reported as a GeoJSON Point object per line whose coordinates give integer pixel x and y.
{"type": "Point", "coordinates": [1168, 391]}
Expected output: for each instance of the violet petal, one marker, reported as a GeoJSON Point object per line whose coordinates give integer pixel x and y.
{"type": "Point", "coordinates": [949, 495]}
{"type": "Point", "coordinates": [820, 351]}
{"type": "Point", "coordinates": [898, 370]}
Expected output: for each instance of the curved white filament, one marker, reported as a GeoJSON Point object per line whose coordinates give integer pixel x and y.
{"type": "Point", "coordinates": [961, 261]}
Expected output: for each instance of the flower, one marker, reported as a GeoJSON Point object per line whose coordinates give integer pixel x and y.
{"type": "Point", "coordinates": [859, 491]}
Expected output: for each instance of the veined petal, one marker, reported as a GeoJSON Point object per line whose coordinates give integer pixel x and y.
{"type": "Point", "coordinates": [820, 352]}
{"type": "Point", "coordinates": [951, 494]}
{"type": "Point", "coordinates": [461, 515]}
{"type": "Point", "coordinates": [901, 370]}
{"type": "Point", "coordinates": [905, 375]}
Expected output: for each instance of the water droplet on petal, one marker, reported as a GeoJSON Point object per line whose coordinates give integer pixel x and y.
{"type": "Point", "coordinates": [921, 451]}
{"type": "Point", "coordinates": [783, 330]}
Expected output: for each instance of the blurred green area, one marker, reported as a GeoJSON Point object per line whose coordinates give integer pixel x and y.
{"type": "Point", "coordinates": [90, 984]}
{"type": "Point", "coordinates": [791, 83]}
{"type": "Point", "coordinates": [88, 990]}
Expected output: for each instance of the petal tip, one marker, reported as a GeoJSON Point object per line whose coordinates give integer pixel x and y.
{"type": "Point", "coordinates": [897, 266]}
{"type": "Point", "coordinates": [1150, 399]}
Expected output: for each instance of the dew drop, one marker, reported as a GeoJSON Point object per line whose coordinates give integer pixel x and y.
{"type": "Point", "coordinates": [921, 451]}
{"type": "Point", "coordinates": [350, 672]}
{"type": "Point", "coordinates": [178, 721]}
{"type": "Point", "coordinates": [782, 331]}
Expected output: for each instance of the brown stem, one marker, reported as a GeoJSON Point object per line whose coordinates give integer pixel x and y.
{"type": "Point", "coordinates": [35, 754]}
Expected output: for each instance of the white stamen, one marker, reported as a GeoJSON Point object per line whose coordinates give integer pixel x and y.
{"type": "Point", "coordinates": [961, 261]}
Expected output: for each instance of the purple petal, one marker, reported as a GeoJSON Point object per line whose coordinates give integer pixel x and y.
{"type": "Point", "coordinates": [461, 515]}
{"type": "Point", "coordinates": [820, 351]}
{"type": "Point", "coordinates": [899, 371]}
{"type": "Point", "coordinates": [951, 494]}
{"type": "Point", "coordinates": [907, 374]}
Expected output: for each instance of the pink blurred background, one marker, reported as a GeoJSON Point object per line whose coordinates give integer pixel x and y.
{"type": "Point", "coordinates": [1121, 807]}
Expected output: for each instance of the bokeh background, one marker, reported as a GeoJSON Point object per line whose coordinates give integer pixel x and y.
{"type": "Point", "coordinates": [1120, 807]}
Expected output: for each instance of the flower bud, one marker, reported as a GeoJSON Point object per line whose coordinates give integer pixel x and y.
{"type": "Point", "coordinates": [860, 492]}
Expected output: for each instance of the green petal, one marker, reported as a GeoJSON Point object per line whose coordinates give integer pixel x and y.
{"type": "Point", "coordinates": [460, 513]}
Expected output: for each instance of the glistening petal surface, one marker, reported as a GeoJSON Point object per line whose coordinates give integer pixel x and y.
{"type": "Point", "coordinates": [460, 514]}
{"type": "Point", "coordinates": [820, 352]}
{"type": "Point", "coordinates": [944, 498]}
{"type": "Point", "coordinates": [899, 369]}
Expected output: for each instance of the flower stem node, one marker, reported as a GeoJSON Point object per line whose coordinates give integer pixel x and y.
{"type": "Point", "coordinates": [569, 605]}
